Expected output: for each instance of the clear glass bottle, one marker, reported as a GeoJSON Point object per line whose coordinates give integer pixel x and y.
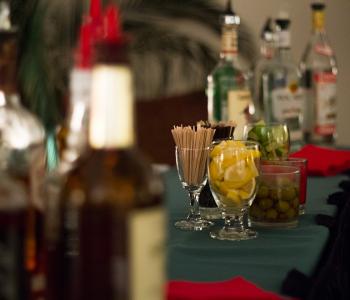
{"type": "Point", "coordinates": [228, 87]}
{"type": "Point", "coordinates": [22, 164]}
{"type": "Point", "coordinates": [112, 233]}
{"type": "Point", "coordinates": [267, 52]}
{"type": "Point", "coordinates": [319, 70]}
{"type": "Point", "coordinates": [282, 94]}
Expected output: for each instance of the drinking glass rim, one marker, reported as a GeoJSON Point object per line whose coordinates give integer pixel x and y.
{"type": "Point", "coordinates": [287, 161]}
{"type": "Point", "coordinates": [292, 170]}
{"type": "Point", "coordinates": [247, 143]}
{"type": "Point", "coordinates": [192, 149]}
{"type": "Point", "coordinates": [267, 124]}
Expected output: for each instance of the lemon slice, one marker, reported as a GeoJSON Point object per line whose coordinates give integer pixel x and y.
{"type": "Point", "coordinates": [247, 190]}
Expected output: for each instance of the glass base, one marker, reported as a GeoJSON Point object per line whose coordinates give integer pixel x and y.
{"type": "Point", "coordinates": [210, 213]}
{"type": "Point", "coordinates": [193, 225]}
{"type": "Point", "coordinates": [291, 224]}
{"type": "Point", "coordinates": [232, 234]}
{"type": "Point", "coordinates": [302, 209]}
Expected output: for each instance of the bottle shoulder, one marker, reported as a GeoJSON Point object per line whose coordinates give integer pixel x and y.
{"type": "Point", "coordinates": [19, 127]}
{"type": "Point", "coordinates": [318, 54]}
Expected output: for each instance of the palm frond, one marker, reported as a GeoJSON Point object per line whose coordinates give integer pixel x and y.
{"type": "Point", "coordinates": [174, 45]}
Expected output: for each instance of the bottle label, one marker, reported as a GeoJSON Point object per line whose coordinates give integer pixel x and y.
{"type": "Point", "coordinates": [229, 40]}
{"type": "Point", "coordinates": [112, 107]}
{"type": "Point", "coordinates": [147, 254]}
{"type": "Point", "coordinates": [238, 109]}
{"type": "Point", "coordinates": [37, 177]}
{"type": "Point", "coordinates": [324, 50]}
{"type": "Point", "coordinates": [325, 89]}
{"type": "Point", "coordinates": [287, 105]}
{"type": "Point", "coordinates": [284, 39]}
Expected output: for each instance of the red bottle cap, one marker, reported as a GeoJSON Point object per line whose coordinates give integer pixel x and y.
{"type": "Point", "coordinates": [112, 25]}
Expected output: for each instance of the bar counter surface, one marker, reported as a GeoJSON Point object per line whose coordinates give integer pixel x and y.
{"type": "Point", "coordinates": [265, 261]}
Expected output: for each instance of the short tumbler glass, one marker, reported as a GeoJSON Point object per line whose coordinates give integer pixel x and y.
{"type": "Point", "coordinates": [277, 200]}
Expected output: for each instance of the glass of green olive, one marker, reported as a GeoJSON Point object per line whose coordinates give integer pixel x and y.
{"type": "Point", "coordinates": [277, 200]}
{"type": "Point", "coordinates": [273, 139]}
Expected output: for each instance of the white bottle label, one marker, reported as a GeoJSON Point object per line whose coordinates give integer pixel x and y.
{"type": "Point", "coordinates": [147, 254]}
{"type": "Point", "coordinates": [287, 107]}
{"type": "Point", "coordinates": [325, 90]}
{"type": "Point", "coordinates": [238, 109]}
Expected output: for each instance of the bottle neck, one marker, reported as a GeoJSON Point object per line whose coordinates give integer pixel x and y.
{"type": "Point", "coordinates": [283, 38]}
{"type": "Point", "coordinates": [267, 49]}
{"type": "Point", "coordinates": [8, 62]}
{"type": "Point", "coordinates": [229, 42]}
{"type": "Point", "coordinates": [112, 107]}
{"type": "Point", "coordinates": [318, 21]}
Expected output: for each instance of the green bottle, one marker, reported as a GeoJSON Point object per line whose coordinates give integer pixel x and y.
{"type": "Point", "coordinates": [229, 96]}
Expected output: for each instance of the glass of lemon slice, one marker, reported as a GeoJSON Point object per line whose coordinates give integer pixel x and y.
{"type": "Point", "coordinates": [233, 170]}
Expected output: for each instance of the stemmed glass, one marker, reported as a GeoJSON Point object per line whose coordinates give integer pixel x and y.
{"type": "Point", "coordinates": [233, 170]}
{"type": "Point", "coordinates": [191, 165]}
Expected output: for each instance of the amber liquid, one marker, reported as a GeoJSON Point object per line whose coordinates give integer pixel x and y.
{"type": "Point", "coordinates": [92, 255]}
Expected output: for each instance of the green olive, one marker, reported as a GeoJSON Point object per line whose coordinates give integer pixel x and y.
{"type": "Point", "coordinates": [283, 216]}
{"type": "Point", "coordinates": [265, 203]}
{"type": "Point", "coordinates": [282, 206]}
{"type": "Point", "coordinates": [288, 193]}
{"type": "Point", "coordinates": [295, 202]}
{"type": "Point", "coordinates": [291, 213]}
{"type": "Point", "coordinates": [255, 212]}
{"type": "Point", "coordinates": [271, 214]}
{"type": "Point", "coordinates": [263, 192]}
{"type": "Point", "coordinates": [274, 194]}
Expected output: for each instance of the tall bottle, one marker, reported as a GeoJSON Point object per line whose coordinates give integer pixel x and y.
{"type": "Point", "coordinates": [112, 233]}
{"type": "Point", "coordinates": [319, 71]}
{"type": "Point", "coordinates": [267, 52]}
{"type": "Point", "coordinates": [282, 93]}
{"type": "Point", "coordinates": [229, 95]}
{"type": "Point", "coordinates": [22, 167]}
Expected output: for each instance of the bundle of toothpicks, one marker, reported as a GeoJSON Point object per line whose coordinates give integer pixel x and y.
{"type": "Point", "coordinates": [193, 145]}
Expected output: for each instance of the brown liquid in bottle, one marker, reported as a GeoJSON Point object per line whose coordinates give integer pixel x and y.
{"type": "Point", "coordinates": [111, 233]}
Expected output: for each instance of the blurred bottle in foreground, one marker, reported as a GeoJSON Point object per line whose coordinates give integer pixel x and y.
{"type": "Point", "coordinates": [22, 167]}
{"type": "Point", "coordinates": [267, 52]}
{"type": "Point", "coordinates": [282, 94]}
{"type": "Point", "coordinates": [111, 237]}
{"type": "Point", "coordinates": [229, 95]}
{"type": "Point", "coordinates": [319, 70]}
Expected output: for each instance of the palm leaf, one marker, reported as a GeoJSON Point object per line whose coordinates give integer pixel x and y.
{"type": "Point", "coordinates": [174, 45]}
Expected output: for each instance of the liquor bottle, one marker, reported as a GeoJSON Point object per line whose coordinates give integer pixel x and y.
{"type": "Point", "coordinates": [319, 69]}
{"type": "Point", "coordinates": [228, 87]}
{"type": "Point", "coordinates": [72, 136]}
{"type": "Point", "coordinates": [112, 221]}
{"type": "Point", "coordinates": [22, 167]}
{"type": "Point", "coordinates": [267, 52]}
{"type": "Point", "coordinates": [282, 94]}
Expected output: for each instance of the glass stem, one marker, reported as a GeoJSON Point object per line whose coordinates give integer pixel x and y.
{"type": "Point", "coordinates": [234, 223]}
{"type": "Point", "coordinates": [194, 202]}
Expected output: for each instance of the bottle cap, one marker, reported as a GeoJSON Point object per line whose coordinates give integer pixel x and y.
{"type": "Point", "coordinates": [83, 52]}
{"type": "Point", "coordinates": [318, 6]}
{"type": "Point", "coordinates": [267, 31]}
{"type": "Point", "coordinates": [283, 24]}
{"type": "Point", "coordinates": [111, 47]}
{"type": "Point", "coordinates": [229, 17]}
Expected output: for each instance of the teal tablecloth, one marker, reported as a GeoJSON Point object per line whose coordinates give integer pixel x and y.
{"type": "Point", "coordinates": [266, 260]}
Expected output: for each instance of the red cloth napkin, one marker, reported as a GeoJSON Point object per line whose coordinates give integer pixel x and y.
{"type": "Point", "coordinates": [324, 161]}
{"type": "Point", "coordinates": [237, 288]}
